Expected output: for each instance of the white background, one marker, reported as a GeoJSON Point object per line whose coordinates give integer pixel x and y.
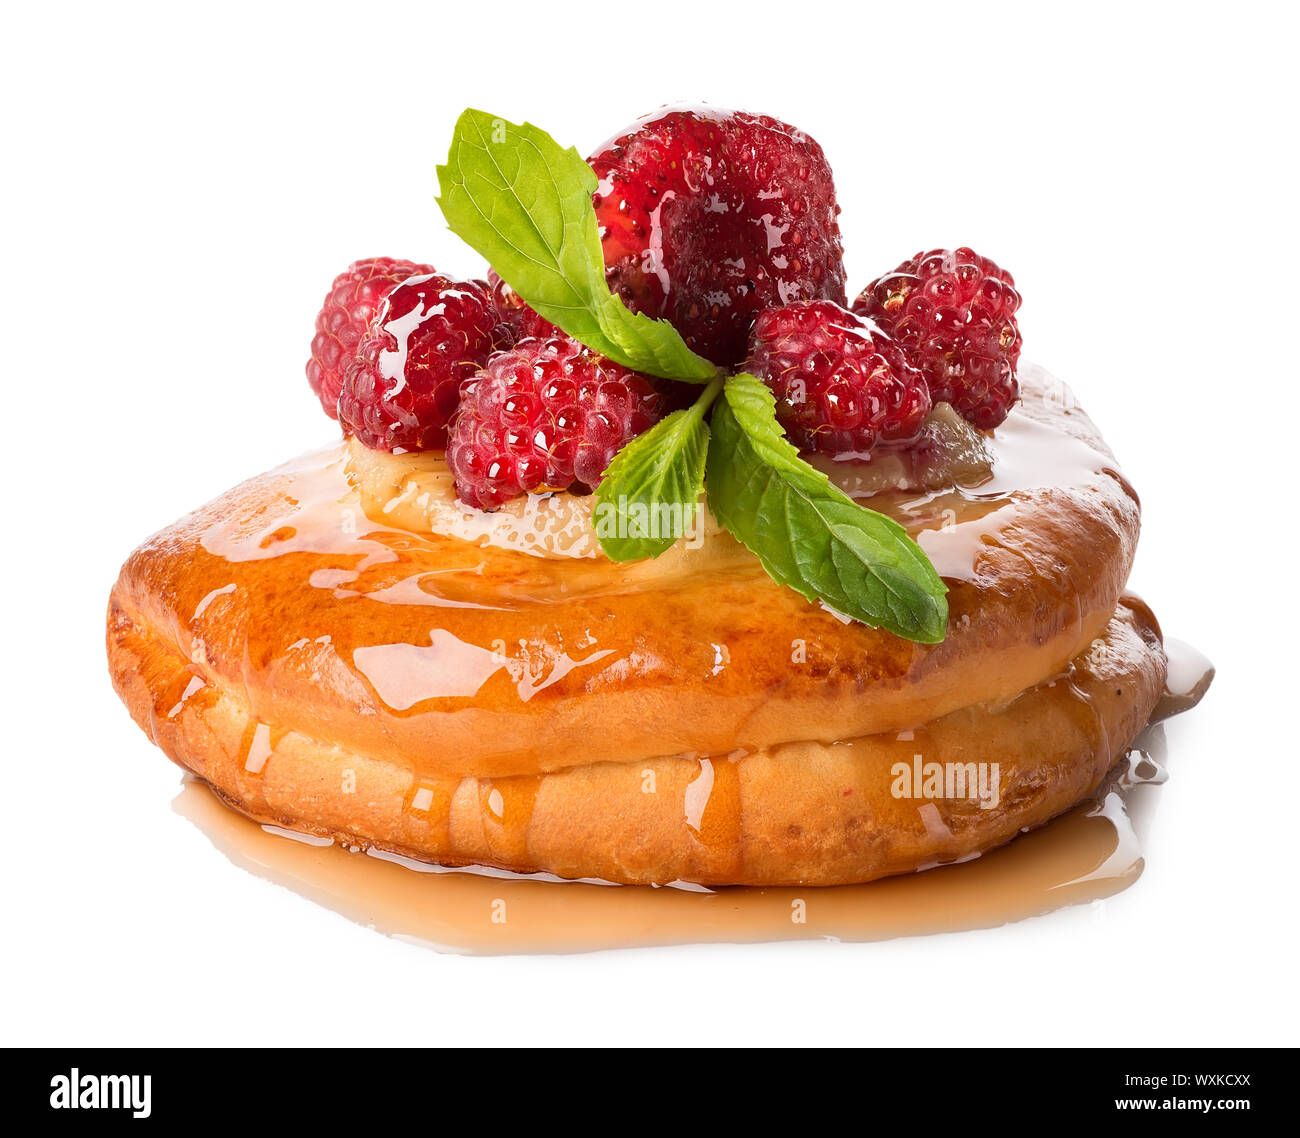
{"type": "Point", "coordinates": [181, 184]}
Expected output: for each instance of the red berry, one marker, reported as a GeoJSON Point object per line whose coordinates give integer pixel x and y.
{"type": "Point", "coordinates": [519, 322]}
{"type": "Point", "coordinates": [346, 314]}
{"type": "Point", "coordinates": [842, 387]}
{"type": "Point", "coordinates": [551, 414]}
{"type": "Point", "coordinates": [402, 386]}
{"type": "Point", "coordinates": [954, 312]}
{"type": "Point", "coordinates": [708, 216]}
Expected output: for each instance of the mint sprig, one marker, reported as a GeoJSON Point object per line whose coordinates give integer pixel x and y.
{"type": "Point", "coordinates": [809, 534]}
{"type": "Point", "coordinates": [524, 202]}
{"type": "Point", "coordinates": [650, 494]}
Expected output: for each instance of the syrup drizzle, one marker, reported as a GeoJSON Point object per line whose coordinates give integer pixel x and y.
{"type": "Point", "coordinates": [1187, 680]}
{"type": "Point", "coordinates": [319, 512]}
{"type": "Point", "coordinates": [1087, 854]}
{"type": "Point", "coordinates": [1090, 852]}
{"type": "Point", "coordinates": [507, 810]}
{"type": "Point", "coordinates": [952, 526]}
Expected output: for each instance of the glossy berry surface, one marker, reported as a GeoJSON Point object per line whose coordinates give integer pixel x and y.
{"type": "Point", "coordinates": [403, 385]}
{"type": "Point", "coordinates": [708, 216]}
{"type": "Point", "coordinates": [551, 414]}
{"type": "Point", "coordinates": [519, 322]}
{"type": "Point", "coordinates": [954, 313]}
{"type": "Point", "coordinates": [842, 387]}
{"type": "Point", "coordinates": [344, 317]}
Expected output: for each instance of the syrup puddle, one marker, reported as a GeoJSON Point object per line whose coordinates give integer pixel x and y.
{"type": "Point", "coordinates": [1087, 854]}
{"type": "Point", "coordinates": [1090, 853]}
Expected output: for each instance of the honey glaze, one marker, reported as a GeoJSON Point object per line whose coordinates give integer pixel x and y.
{"type": "Point", "coordinates": [455, 648]}
{"type": "Point", "coordinates": [1188, 678]}
{"type": "Point", "coordinates": [306, 588]}
{"type": "Point", "coordinates": [1090, 853]}
{"type": "Point", "coordinates": [326, 516]}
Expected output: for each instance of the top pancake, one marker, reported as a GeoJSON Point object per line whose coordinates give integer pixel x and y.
{"type": "Point", "coordinates": [459, 660]}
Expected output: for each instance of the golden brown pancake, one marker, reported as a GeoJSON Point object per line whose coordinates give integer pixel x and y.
{"type": "Point", "coordinates": [334, 652]}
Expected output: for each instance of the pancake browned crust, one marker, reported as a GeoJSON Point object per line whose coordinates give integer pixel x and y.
{"type": "Point", "coordinates": [648, 723]}
{"type": "Point", "coordinates": [792, 814]}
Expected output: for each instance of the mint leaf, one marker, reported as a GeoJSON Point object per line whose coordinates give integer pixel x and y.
{"type": "Point", "coordinates": [808, 534]}
{"type": "Point", "coordinates": [524, 203]}
{"type": "Point", "coordinates": [650, 494]}
{"type": "Point", "coordinates": [636, 341]}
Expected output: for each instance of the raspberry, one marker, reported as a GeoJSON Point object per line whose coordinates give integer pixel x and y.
{"type": "Point", "coordinates": [551, 414]}
{"type": "Point", "coordinates": [518, 321]}
{"type": "Point", "coordinates": [954, 313]}
{"type": "Point", "coordinates": [842, 387]}
{"type": "Point", "coordinates": [402, 386]}
{"type": "Point", "coordinates": [708, 216]}
{"type": "Point", "coordinates": [344, 317]}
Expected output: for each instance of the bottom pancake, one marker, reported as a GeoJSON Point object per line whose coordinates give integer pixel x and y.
{"type": "Point", "coordinates": [794, 814]}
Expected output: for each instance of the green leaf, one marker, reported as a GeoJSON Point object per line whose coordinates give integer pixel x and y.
{"type": "Point", "coordinates": [636, 341]}
{"type": "Point", "coordinates": [650, 494]}
{"type": "Point", "coordinates": [524, 202]}
{"type": "Point", "coordinates": [808, 534]}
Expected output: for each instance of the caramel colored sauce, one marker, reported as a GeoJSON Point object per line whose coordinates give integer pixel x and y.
{"type": "Point", "coordinates": [711, 807]}
{"type": "Point", "coordinates": [1090, 853]}
{"type": "Point", "coordinates": [416, 644]}
{"type": "Point", "coordinates": [951, 525]}
{"type": "Point", "coordinates": [435, 636]}
{"type": "Point", "coordinates": [508, 808]}
{"type": "Point", "coordinates": [1189, 677]}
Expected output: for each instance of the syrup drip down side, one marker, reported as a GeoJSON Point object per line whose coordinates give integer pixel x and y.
{"type": "Point", "coordinates": [1092, 852]}
{"type": "Point", "coordinates": [460, 674]}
